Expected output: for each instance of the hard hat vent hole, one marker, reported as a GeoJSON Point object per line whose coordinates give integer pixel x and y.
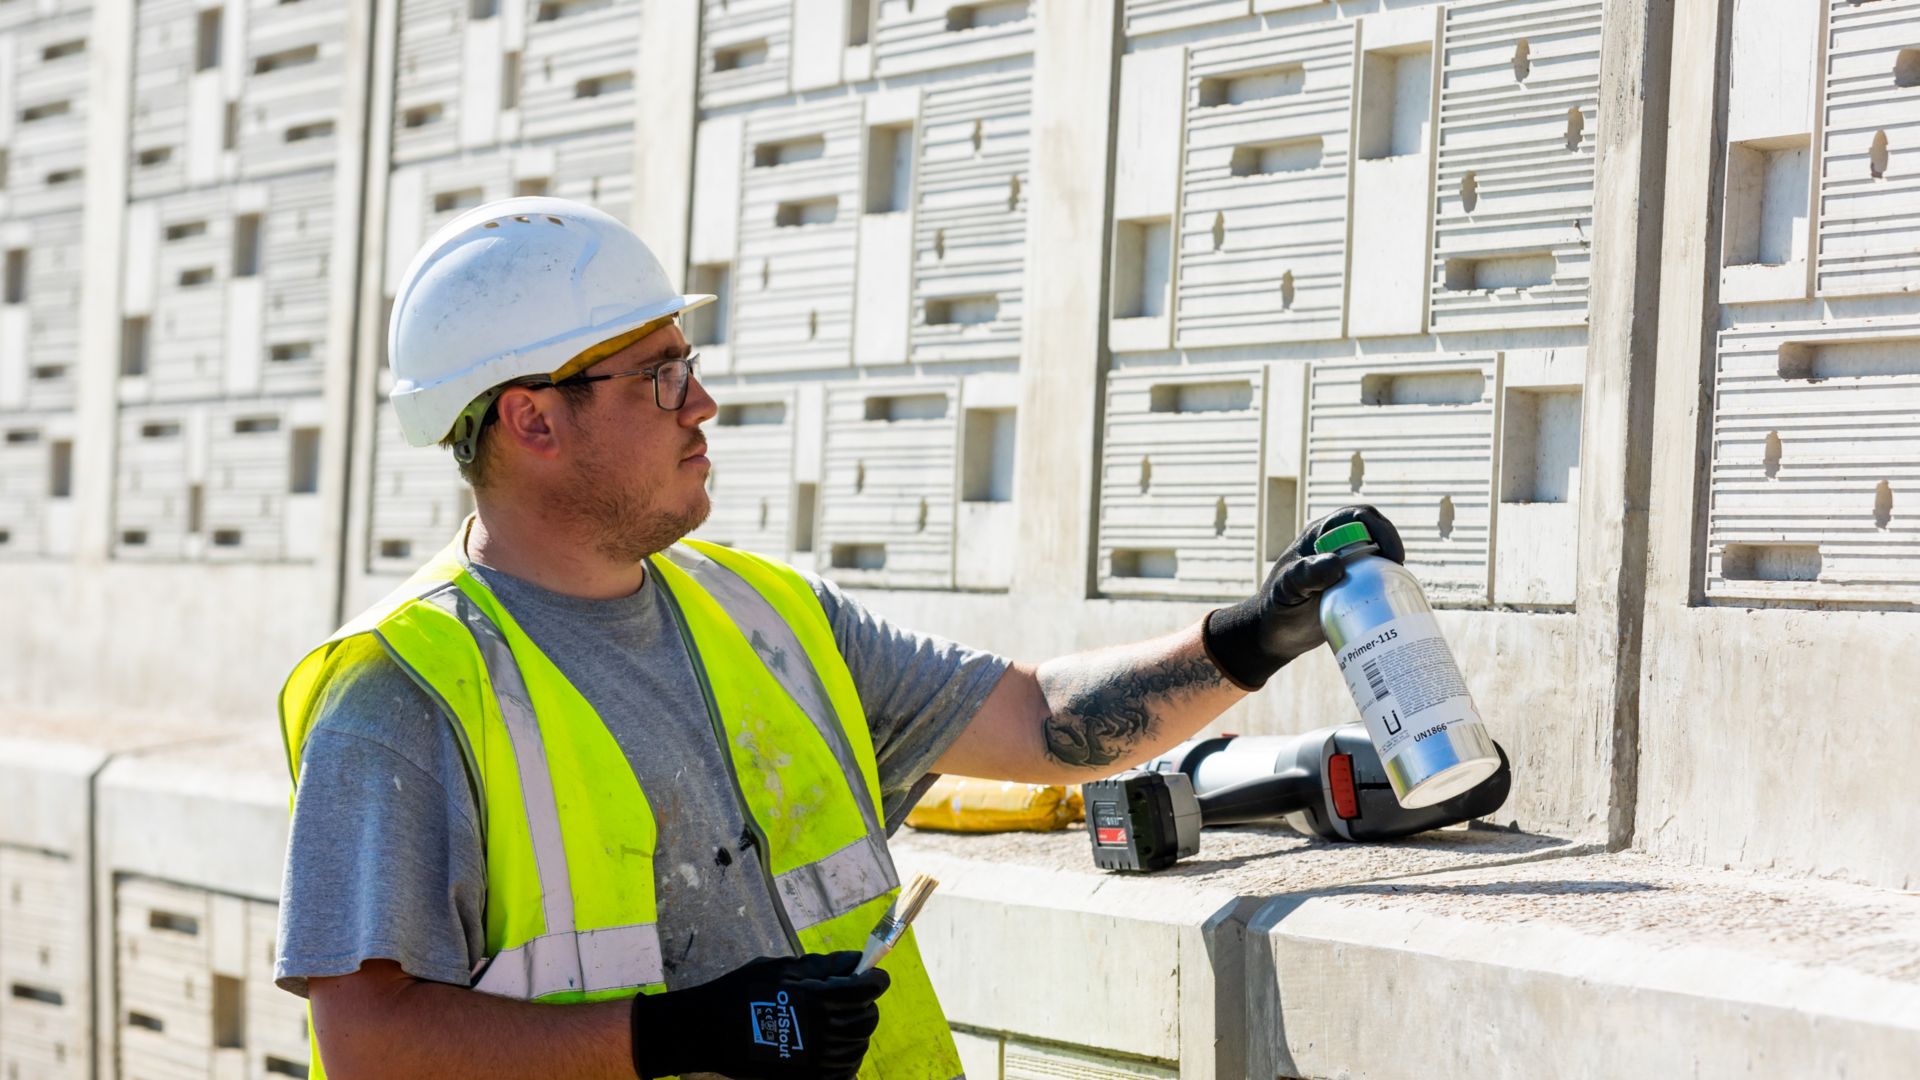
{"type": "Point", "coordinates": [491, 225]}
{"type": "Point", "coordinates": [555, 220]}
{"type": "Point", "coordinates": [523, 219]}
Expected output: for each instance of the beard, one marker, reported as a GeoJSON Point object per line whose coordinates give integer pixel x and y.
{"type": "Point", "coordinates": [625, 513]}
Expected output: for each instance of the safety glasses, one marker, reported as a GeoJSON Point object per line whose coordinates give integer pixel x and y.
{"type": "Point", "coordinates": [670, 380]}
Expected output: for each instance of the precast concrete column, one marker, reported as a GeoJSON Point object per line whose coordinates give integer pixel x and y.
{"type": "Point", "coordinates": [109, 123]}
{"type": "Point", "coordinates": [664, 111]}
{"type": "Point", "coordinates": [1062, 358]}
{"type": "Point", "coordinates": [1617, 420]}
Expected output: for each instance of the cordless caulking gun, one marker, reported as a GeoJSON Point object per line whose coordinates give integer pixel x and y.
{"type": "Point", "coordinates": [1327, 783]}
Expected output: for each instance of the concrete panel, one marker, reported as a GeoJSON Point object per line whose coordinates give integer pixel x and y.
{"type": "Point", "coordinates": [1395, 110]}
{"type": "Point", "coordinates": [1152, 16]}
{"type": "Point", "coordinates": [751, 482]}
{"type": "Point", "coordinates": [913, 37]}
{"type": "Point", "coordinates": [887, 492]}
{"type": "Point", "coordinates": [1519, 96]}
{"type": "Point", "coordinates": [578, 71]}
{"type": "Point", "coordinates": [1867, 204]}
{"type": "Point", "coordinates": [716, 191]}
{"type": "Point", "coordinates": [1146, 192]}
{"type": "Point", "coordinates": [745, 46]}
{"type": "Point", "coordinates": [1262, 231]}
{"type": "Point", "coordinates": [819, 43]}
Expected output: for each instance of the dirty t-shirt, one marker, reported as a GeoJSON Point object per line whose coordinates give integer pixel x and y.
{"type": "Point", "coordinates": [386, 859]}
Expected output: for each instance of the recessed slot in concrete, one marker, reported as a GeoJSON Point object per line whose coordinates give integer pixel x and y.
{"type": "Point", "coordinates": [1220, 517]}
{"type": "Point", "coordinates": [60, 469]}
{"type": "Point", "coordinates": [60, 49]}
{"type": "Point", "coordinates": [1282, 517]}
{"type": "Point", "coordinates": [554, 10]}
{"type": "Point", "coordinates": [206, 39]}
{"type": "Point", "coordinates": [1356, 472]}
{"type": "Point", "coordinates": [1770, 562]}
{"type": "Point", "coordinates": [765, 511]}
{"type": "Point", "coordinates": [981, 16]}
{"type": "Point", "coordinates": [1446, 517]}
{"type": "Point", "coordinates": [230, 126]}
{"type": "Point", "coordinates": [246, 245]}
{"type": "Point", "coordinates": [806, 497]}
{"type": "Point", "coordinates": [173, 923]}
{"type": "Point", "coordinates": [536, 185]}
{"type": "Point", "coordinates": [920, 519]}
{"type": "Point", "coordinates": [1233, 396]}
{"type": "Point", "coordinates": [62, 176]}
{"type": "Point", "coordinates": [1146, 474]}
{"type": "Point", "coordinates": [229, 1015]}
{"type": "Point", "coordinates": [619, 82]}
{"type": "Point", "coordinates": [145, 1022]}
{"type": "Point", "coordinates": [153, 155]}
{"type": "Point", "coordinates": [1877, 156]}
{"type": "Point", "coordinates": [15, 290]}
{"type": "Point", "coordinates": [889, 186]}
{"type": "Point", "coordinates": [752, 414]}
{"type": "Point", "coordinates": [396, 549]}
{"type": "Point", "coordinates": [1576, 127]}
{"type": "Point", "coordinates": [1849, 359]}
{"type": "Point", "coordinates": [1424, 388]}
{"type": "Point", "coordinates": [1768, 183]}
{"type": "Point", "coordinates": [160, 429]}
{"type": "Point", "coordinates": [29, 992]}
{"type": "Point", "coordinates": [256, 425]}
{"type": "Point", "coordinates": [813, 324]}
{"type": "Point", "coordinates": [1013, 192]}
{"type": "Point", "coordinates": [289, 352]}
{"type": "Point", "coordinates": [286, 58]}
{"type": "Point", "coordinates": [46, 110]}
{"type": "Point", "coordinates": [305, 132]}
{"type": "Point", "coordinates": [766, 273]}
{"type": "Point", "coordinates": [482, 9]}
{"type": "Point", "coordinates": [940, 244]}
{"type": "Point", "coordinates": [859, 21]}
{"type": "Point", "coordinates": [196, 275]}
{"type": "Point", "coordinates": [196, 508]}
{"type": "Point", "coordinates": [43, 372]}
{"type": "Point", "coordinates": [133, 345]}
{"type": "Point", "coordinates": [821, 211]}
{"type": "Point", "coordinates": [978, 138]}
{"type": "Point", "coordinates": [858, 556]}
{"type": "Point", "coordinates": [1906, 68]}
{"type": "Point", "coordinates": [1290, 155]}
{"type": "Point", "coordinates": [1259, 85]}
{"type": "Point", "coordinates": [986, 461]}
{"type": "Point", "coordinates": [1469, 192]}
{"type": "Point", "coordinates": [303, 462]}
{"type": "Point", "coordinates": [962, 310]}
{"type": "Point", "coordinates": [1396, 102]}
{"type": "Point", "coordinates": [510, 80]}
{"type": "Point", "coordinates": [446, 202]}
{"type": "Point", "coordinates": [1219, 230]}
{"type": "Point", "coordinates": [421, 115]}
{"type": "Point", "coordinates": [1522, 60]}
{"type": "Point", "coordinates": [895, 408]}
{"type": "Point", "coordinates": [707, 325]}
{"type": "Point", "coordinates": [1540, 445]}
{"type": "Point", "coordinates": [23, 436]}
{"type": "Point", "coordinates": [1492, 272]}
{"type": "Point", "coordinates": [1287, 292]}
{"type": "Point", "coordinates": [133, 537]}
{"type": "Point", "coordinates": [746, 54]}
{"type": "Point", "coordinates": [769, 155]}
{"type": "Point", "coordinates": [1142, 268]}
{"type": "Point", "coordinates": [1770, 455]}
{"type": "Point", "coordinates": [279, 1066]}
{"type": "Point", "coordinates": [1161, 563]}
{"type": "Point", "coordinates": [4, 162]}
{"type": "Point", "coordinates": [859, 477]}
{"type": "Point", "coordinates": [184, 230]}
{"type": "Point", "coordinates": [1883, 505]}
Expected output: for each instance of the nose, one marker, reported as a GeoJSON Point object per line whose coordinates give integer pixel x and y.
{"type": "Point", "coordinates": [699, 406]}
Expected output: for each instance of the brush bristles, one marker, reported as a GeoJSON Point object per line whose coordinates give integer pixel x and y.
{"type": "Point", "coordinates": [913, 897]}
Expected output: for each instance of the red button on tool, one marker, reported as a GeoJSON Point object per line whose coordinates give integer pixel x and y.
{"type": "Point", "coordinates": [1340, 776]}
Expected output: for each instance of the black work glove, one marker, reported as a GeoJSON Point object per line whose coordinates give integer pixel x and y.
{"type": "Point", "coordinates": [773, 1018]}
{"type": "Point", "coordinates": [1251, 640]}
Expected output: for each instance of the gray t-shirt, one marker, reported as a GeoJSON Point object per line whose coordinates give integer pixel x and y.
{"type": "Point", "coordinates": [386, 859]}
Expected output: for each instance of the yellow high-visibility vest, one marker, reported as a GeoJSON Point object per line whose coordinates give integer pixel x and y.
{"type": "Point", "coordinates": [568, 832]}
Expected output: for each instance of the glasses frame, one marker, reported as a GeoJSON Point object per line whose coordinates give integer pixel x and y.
{"type": "Point", "coordinates": [691, 360]}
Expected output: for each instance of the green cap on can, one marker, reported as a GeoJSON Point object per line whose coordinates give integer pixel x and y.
{"type": "Point", "coordinates": [1352, 532]}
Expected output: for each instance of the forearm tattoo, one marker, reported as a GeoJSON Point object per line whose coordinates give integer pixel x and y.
{"type": "Point", "coordinates": [1098, 716]}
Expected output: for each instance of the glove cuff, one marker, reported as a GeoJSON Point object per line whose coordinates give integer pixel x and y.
{"type": "Point", "coordinates": [659, 1031]}
{"type": "Point", "coordinates": [1232, 639]}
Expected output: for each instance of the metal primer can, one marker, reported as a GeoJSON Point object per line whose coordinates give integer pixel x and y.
{"type": "Point", "coordinates": [1402, 675]}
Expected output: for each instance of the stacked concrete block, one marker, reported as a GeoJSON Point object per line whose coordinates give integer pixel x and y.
{"type": "Point", "coordinates": [39, 310]}
{"type": "Point", "coordinates": [43, 109]}
{"type": "Point", "coordinates": [1870, 149]}
{"type": "Point", "coordinates": [887, 486]}
{"type": "Point", "coordinates": [1180, 487]}
{"type": "Point", "coordinates": [36, 484]}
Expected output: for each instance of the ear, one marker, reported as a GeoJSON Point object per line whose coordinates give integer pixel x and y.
{"type": "Point", "coordinates": [527, 422]}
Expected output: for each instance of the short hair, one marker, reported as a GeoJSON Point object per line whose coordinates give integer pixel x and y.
{"type": "Point", "coordinates": [478, 472]}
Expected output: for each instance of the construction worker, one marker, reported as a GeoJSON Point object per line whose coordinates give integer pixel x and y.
{"type": "Point", "coordinates": [579, 759]}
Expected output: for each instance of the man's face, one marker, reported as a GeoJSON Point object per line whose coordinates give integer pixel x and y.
{"type": "Point", "coordinates": [635, 472]}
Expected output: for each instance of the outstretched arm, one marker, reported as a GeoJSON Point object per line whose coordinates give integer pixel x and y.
{"type": "Point", "coordinates": [1092, 714]}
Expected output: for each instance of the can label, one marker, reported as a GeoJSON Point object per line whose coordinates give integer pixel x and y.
{"type": "Point", "coordinates": [1404, 679]}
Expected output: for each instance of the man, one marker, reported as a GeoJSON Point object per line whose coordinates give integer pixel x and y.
{"type": "Point", "coordinates": [578, 761]}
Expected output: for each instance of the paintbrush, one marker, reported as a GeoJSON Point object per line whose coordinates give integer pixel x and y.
{"type": "Point", "coordinates": [893, 925]}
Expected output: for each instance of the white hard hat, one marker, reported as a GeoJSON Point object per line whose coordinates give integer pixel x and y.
{"type": "Point", "coordinates": [511, 289]}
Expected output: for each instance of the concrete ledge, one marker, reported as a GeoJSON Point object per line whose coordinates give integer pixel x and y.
{"type": "Point", "coordinates": [1457, 954]}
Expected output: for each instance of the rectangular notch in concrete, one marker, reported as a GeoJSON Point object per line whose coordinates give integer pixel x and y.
{"type": "Point", "coordinates": [1770, 562]}
{"type": "Point", "coordinates": [135, 333]}
{"type": "Point", "coordinates": [894, 408]}
{"type": "Point", "coordinates": [745, 54]}
{"type": "Point", "coordinates": [962, 310]}
{"type": "Point", "coordinates": [1523, 271]}
{"type": "Point", "coordinates": [1282, 516]}
{"type": "Point", "coordinates": [806, 500]}
{"type": "Point", "coordinates": [60, 469]}
{"type": "Point", "coordinates": [1540, 445]}
{"type": "Point", "coordinates": [286, 58]}
{"type": "Point", "coordinates": [1396, 102]}
{"type": "Point", "coordinates": [889, 169]}
{"type": "Point", "coordinates": [1424, 388]}
{"type": "Point", "coordinates": [303, 462]}
{"type": "Point", "coordinates": [751, 414]}
{"type": "Point", "coordinates": [1850, 359]}
{"type": "Point", "coordinates": [981, 16]}
{"type": "Point", "coordinates": [1283, 80]}
{"type": "Point", "coordinates": [1201, 397]}
{"type": "Point", "coordinates": [707, 325]}
{"type": "Point", "coordinates": [13, 289]}
{"type": "Point", "coordinates": [206, 40]}
{"type": "Point", "coordinates": [246, 245]}
{"type": "Point", "coordinates": [1285, 156]}
{"type": "Point", "coordinates": [821, 211]}
{"type": "Point", "coordinates": [1142, 269]}
{"type": "Point", "coordinates": [1768, 221]}
{"type": "Point", "coordinates": [986, 467]}
{"type": "Point", "coordinates": [1161, 563]}
{"type": "Point", "coordinates": [858, 557]}
{"type": "Point", "coordinates": [769, 155]}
